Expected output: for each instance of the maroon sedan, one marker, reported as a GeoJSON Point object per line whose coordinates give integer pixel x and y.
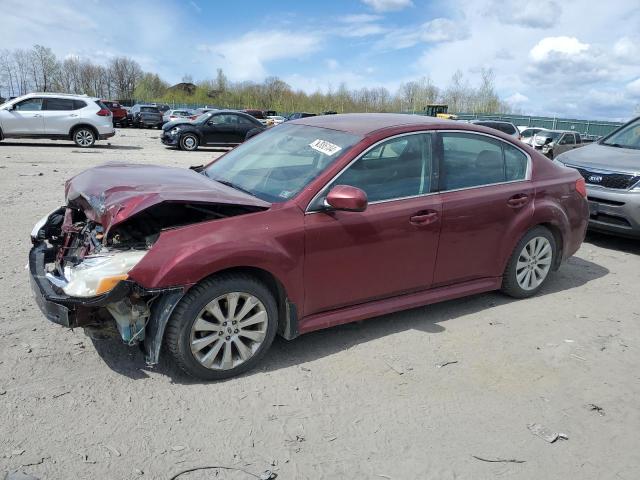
{"type": "Point", "coordinates": [314, 223]}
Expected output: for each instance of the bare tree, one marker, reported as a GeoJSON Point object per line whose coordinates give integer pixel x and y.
{"type": "Point", "coordinates": [43, 65]}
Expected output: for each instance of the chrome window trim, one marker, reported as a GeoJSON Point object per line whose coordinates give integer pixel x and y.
{"type": "Point", "coordinates": [527, 176]}
{"type": "Point", "coordinates": [363, 153]}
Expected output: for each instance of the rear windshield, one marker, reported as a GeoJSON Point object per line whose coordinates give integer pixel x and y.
{"type": "Point", "coordinates": [149, 109]}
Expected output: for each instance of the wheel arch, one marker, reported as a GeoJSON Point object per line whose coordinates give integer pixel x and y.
{"type": "Point", "coordinates": [84, 125]}
{"type": "Point", "coordinates": [287, 310]}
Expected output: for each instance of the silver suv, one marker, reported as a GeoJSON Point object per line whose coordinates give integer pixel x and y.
{"type": "Point", "coordinates": [611, 169]}
{"type": "Point", "coordinates": [56, 116]}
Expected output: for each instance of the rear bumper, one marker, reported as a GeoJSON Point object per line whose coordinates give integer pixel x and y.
{"type": "Point", "coordinates": [104, 136]}
{"type": "Point", "coordinates": [614, 211]}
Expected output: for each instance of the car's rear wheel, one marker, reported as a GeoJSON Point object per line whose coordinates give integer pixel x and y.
{"type": "Point", "coordinates": [84, 137]}
{"type": "Point", "coordinates": [222, 327]}
{"type": "Point", "coordinates": [189, 142]}
{"type": "Point", "coordinates": [530, 263]}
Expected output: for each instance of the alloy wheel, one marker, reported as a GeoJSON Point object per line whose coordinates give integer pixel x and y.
{"type": "Point", "coordinates": [534, 263]}
{"type": "Point", "coordinates": [228, 331]}
{"type": "Point", "coordinates": [84, 138]}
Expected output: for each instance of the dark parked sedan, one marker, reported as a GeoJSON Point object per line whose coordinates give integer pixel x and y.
{"type": "Point", "coordinates": [215, 128]}
{"type": "Point", "coordinates": [146, 116]}
{"type": "Point", "coordinates": [314, 223]}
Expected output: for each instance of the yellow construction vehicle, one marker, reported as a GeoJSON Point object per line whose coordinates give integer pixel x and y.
{"type": "Point", "coordinates": [440, 111]}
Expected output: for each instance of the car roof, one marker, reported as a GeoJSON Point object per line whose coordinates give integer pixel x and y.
{"type": "Point", "coordinates": [367, 123]}
{"type": "Point", "coordinates": [53, 94]}
{"type": "Point", "coordinates": [492, 121]}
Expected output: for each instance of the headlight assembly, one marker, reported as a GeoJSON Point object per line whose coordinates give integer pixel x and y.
{"type": "Point", "coordinates": [98, 274]}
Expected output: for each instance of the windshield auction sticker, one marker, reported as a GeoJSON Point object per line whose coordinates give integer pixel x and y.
{"type": "Point", "coordinates": [325, 147]}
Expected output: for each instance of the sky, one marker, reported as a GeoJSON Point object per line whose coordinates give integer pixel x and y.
{"type": "Point", "coordinates": [572, 58]}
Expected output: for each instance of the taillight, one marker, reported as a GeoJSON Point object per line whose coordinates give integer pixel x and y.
{"type": "Point", "coordinates": [103, 112]}
{"type": "Point", "coordinates": [172, 116]}
{"type": "Point", "coordinates": [581, 187]}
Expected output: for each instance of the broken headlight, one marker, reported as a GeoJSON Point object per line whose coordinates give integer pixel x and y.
{"type": "Point", "coordinates": [98, 274]}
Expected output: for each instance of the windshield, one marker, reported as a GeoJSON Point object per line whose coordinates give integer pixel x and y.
{"type": "Point", "coordinates": [627, 137]}
{"type": "Point", "coordinates": [277, 164]}
{"type": "Point", "coordinates": [551, 135]}
{"type": "Point", "coordinates": [149, 110]}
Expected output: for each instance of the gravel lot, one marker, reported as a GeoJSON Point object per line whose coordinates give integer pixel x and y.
{"type": "Point", "coordinates": [365, 400]}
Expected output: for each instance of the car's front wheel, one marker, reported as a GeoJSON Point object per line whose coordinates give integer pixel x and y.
{"type": "Point", "coordinates": [530, 263]}
{"type": "Point", "coordinates": [189, 142]}
{"type": "Point", "coordinates": [84, 137]}
{"type": "Point", "coordinates": [222, 327]}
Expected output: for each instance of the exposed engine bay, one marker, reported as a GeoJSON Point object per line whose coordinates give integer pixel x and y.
{"type": "Point", "coordinates": [85, 260]}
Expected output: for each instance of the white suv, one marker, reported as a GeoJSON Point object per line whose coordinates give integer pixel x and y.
{"type": "Point", "coordinates": [56, 116]}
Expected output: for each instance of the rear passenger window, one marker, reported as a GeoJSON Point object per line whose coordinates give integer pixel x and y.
{"type": "Point", "coordinates": [515, 163]}
{"type": "Point", "coordinates": [58, 104]}
{"type": "Point", "coordinates": [471, 160]}
{"type": "Point", "coordinates": [397, 168]}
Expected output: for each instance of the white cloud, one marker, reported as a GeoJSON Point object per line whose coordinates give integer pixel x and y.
{"type": "Point", "coordinates": [547, 47]}
{"type": "Point", "coordinates": [245, 58]}
{"type": "Point", "coordinates": [332, 64]}
{"type": "Point", "coordinates": [388, 5]}
{"type": "Point", "coordinates": [359, 18]}
{"type": "Point", "coordinates": [634, 87]}
{"type": "Point", "coordinates": [626, 50]}
{"type": "Point", "coordinates": [517, 99]}
{"type": "Point", "coordinates": [438, 30]}
{"type": "Point", "coordinates": [527, 13]}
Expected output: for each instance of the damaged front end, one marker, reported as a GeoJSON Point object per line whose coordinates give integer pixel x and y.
{"type": "Point", "coordinates": [80, 269]}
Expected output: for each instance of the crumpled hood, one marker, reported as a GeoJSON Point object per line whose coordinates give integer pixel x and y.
{"type": "Point", "coordinates": [601, 156]}
{"type": "Point", "coordinates": [114, 192]}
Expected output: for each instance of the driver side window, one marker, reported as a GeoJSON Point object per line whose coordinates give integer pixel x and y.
{"type": "Point", "coordinates": [30, 105]}
{"type": "Point", "coordinates": [398, 168]}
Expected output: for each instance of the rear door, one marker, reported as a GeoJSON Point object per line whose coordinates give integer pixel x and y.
{"type": "Point", "coordinates": [59, 115]}
{"type": "Point", "coordinates": [243, 127]}
{"type": "Point", "coordinates": [25, 118]}
{"type": "Point", "coordinates": [390, 248]}
{"type": "Point", "coordinates": [487, 199]}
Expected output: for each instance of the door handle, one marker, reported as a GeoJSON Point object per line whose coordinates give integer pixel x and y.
{"type": "Point", "coordinates": [37, 115]}
{"type": "Point", "coordinates": [519, 200]}
{"type": "Point", "coordinates": [73, 115]}
{"type": "Point", "coordinates": [424, 218]}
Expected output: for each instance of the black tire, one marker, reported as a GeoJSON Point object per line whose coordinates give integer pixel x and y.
{"type": "Point", "coordinates": [510, 284]}
{"type": "Point", "coordinates": [189, 142]}
{"type": "Point", "coordinates": [178, 333]}
{"type": "Point", "coordinates": [84, 137]}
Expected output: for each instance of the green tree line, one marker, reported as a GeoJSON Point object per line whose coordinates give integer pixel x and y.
{"type": "Point", "coordinates": [122, 78]}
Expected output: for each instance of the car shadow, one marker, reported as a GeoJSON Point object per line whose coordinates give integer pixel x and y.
{"type": "Point", "coordinates": [73, 145]}
{"type": "Point", "coordinates": [622, 244]}
{"type": "Point", "coordinates": [306, 348]}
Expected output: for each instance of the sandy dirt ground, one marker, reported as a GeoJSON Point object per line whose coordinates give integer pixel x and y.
{"type": "Point", "coordinates": [361, 401]}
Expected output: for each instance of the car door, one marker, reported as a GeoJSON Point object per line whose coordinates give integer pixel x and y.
{"type": "Point", "coordinates": [25, 118]}
{"type": "Point", "coordinates": [388, 249]}
{"type": "Point", "coordinates": [220, 129]}
{"type": "Point", "coordinates": [487, 198]}
{"type": "Point", "coordinates": [244, 126]}
{"type": "Point", "coordinates": [567, 142]}
{"type": "Point", "coordinates": [59, 116]}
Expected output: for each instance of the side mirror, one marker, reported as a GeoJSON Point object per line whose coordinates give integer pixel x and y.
{"type": "Point", "coordinates": [347, 198]}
